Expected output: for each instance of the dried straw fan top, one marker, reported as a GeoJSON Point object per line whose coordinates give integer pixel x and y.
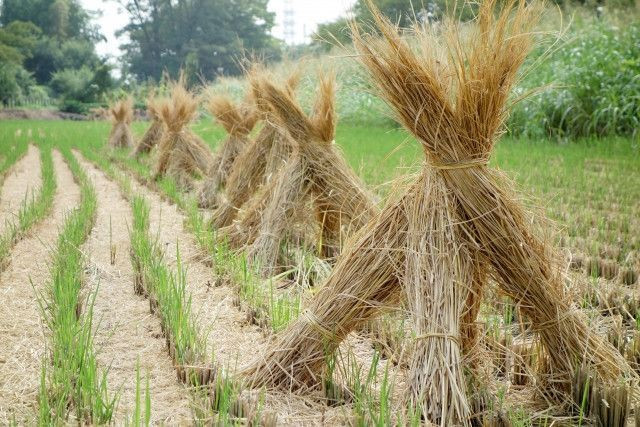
{"type": "Point", "coordinates": [121, 114]}
{"type": "Point", "coordinates": [238, 121]}
{"type": "Point", "coordinates": [343, 203]}
{"type": "Point", "coordinates": [441, 236]}
{"type": "Point", "coordinates": [181, 153]}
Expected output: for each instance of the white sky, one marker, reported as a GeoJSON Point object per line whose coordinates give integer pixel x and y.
{"type": "Point", "coordinates": [307, 15]}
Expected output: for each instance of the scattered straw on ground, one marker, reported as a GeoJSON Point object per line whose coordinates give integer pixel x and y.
{"type": "Point", "coordinates": [128, 335]}
{"type": "Point", "coordinates": [21, 329]}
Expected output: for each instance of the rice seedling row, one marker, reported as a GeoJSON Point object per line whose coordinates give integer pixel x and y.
{"type": "Point", "coordinates": [265, 305]}
{"type": "Point", "coordinates": [215, 394]}
{"type": "Point", "coordinates": [170, 300]}
{"type": "Point", "coordinates": [73, 386]}
{"type": "Point", "coordinates": [27, 275]}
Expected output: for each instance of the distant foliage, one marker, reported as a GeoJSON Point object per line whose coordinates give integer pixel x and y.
{"type": "Point", "coordinates": [49, 43]}
{"type": "Point", "coordinates": [596, 86]}
{"type": "Point", "coordinates": [206, 38]}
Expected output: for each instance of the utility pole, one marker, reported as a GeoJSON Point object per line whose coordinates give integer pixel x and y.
{"type": "Point", "coordinates": [289, 23]}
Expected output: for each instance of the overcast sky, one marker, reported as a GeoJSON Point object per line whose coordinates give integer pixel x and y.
{"type": "Point", "coordinates": [307, 15]}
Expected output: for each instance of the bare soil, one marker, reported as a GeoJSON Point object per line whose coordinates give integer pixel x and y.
{"type": "Point", "coordinates": [42, 114]}
{"type": "Point", "coordinates": [22, 350]}
{"type": "Point", "coordinates": [127, 335]}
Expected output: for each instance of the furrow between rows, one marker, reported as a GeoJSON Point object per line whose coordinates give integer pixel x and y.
{"type": "Point", "coordinates": [127, 335]}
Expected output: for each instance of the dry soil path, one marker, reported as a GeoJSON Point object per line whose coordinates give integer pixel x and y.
{"type": "Point", "coordinates": [23, 179]}
{"type": "Point", "coordinates": [22, 332]}
{"type": "Point", "coordinates": [127, 335]}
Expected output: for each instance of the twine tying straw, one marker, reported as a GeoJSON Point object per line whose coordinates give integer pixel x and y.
{"type": "Point", "coordinates": [314, 321]}
{"type": "Point", "coordinates": [453, 338]}
{"type": "Point", "coordinates": [459, 165]}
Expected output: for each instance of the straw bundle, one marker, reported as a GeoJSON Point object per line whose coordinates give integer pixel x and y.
{"type": "Point", "coordinates": [315, 170]}
{"type": "Point", "coordinates": [181, 153]}
{"type": "Point", "coordinates": [238, 121]}
{"type": "Point", "coordinates": [121, 114]}
{"type": "Point", "coordinates": [458, 214]}
{"type": "Point", "coordinates": [341, 200]}
{"type": "Point", "coordinates": [153, 135]}
{"type": "Point", "coordinates": [256, 164]}
{"type": "Point", "coordinates": [466, 88]}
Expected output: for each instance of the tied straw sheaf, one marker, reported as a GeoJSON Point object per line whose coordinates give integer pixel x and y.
{"type": "Point", "coordinates": [238, 121]}
{"type": "Point", "coordinates": [121, 114]}
{"type": "Point", "coordinates": [340, 198]}
{"type": "Point", "coordinates": [153, 134]}
{"type": "Point", "coordinates": [181, 153]}
{"type": "Point", "coordinates": [315, 175]}
{"type": "Point", "coordinates": [254, 166]}
{"type": "Point", "coordinates": [457, 225]}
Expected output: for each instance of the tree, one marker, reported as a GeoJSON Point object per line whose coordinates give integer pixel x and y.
{"type": "Point", "coordinates": [331, 33]}
{"type": "Point", "coordinates": [58, 34]}
{"type": "Point", "coordinates": [17, 41]}
{"type": "Point", "coordinates": [206, 37]}
{"type": "Point", "coordinates": [62, 19]}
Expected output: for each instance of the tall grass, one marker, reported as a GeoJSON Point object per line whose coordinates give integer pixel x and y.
{"type": "Point", "coordinates": [595, 84]}
{"type": "Point", "coordinates": [72, 386]}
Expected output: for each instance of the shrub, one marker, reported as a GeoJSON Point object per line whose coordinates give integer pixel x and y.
{"type": "Point", "coordinates": [74, 106]}
{"type": "Point", "coordinates": [596, 78]}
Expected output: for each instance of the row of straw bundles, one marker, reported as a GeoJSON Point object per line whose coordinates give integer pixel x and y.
{"type": "Point", "coordinates": [457, 220]}
{"type": "Point", "coordinates": [238, 121]}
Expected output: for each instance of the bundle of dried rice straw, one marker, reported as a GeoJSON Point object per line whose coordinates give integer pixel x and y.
{"type": "Point", "coordinates": [458, 220]}
{"type": "Point", "coordinates": [121, 114]}
{"type": "Point", "coordinates": [238, 121]}
{"type": "Point", "coordinates": [181, 153]}
{"type": "Point", "coordinates": [253, 167]}
{"type": "Point", "coordinates": [153, 134]}
{"type": "Point", "coordinates": [316, 172]}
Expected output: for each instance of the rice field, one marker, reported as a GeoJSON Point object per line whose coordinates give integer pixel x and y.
{"type": "Point", "coordinates": [297, 272]}
{"type": "Point", "coordinates": [119, 305]}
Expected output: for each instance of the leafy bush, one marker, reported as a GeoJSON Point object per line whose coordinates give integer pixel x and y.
{"type": "Point", "coordinates": [73, 106]}
{"type": "Point", "coordinates": [82, 85]}
{"type": "Point", "coordinates": [71, 83]}
{"type": "Point", "coordinates": [15, 82]}
{"type": "Point", "coordinates": [596, 86]}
